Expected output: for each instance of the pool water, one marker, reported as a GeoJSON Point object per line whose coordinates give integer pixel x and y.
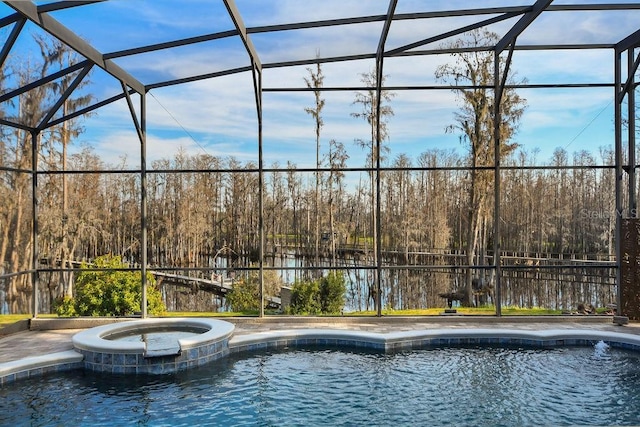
{"type": "Point", "coordinates": [321, 386]}
{"type": "Point", "coordinates": [156, 334]}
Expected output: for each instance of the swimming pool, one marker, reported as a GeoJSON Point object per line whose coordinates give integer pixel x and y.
{"type": "Point", "coordinates": [306, 386]}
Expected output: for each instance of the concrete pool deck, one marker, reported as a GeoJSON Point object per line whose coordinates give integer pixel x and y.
{"type": "Point", "coordinates": [48, 342]}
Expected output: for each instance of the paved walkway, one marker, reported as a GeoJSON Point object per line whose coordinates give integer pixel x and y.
{"type": "Point", "coordinates": [32, 343]}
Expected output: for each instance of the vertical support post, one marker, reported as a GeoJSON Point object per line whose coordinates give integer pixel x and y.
{"type": "Point", "coordinates": [256, 67]}
{"type": "Point", "coordinates": [257, 86]}
{"type": "Point", "coordinates": [141, 129]}
{"type": "Point", "coordinates": [618, 171]}
{"type": "Point", "coordinates": [377, 227]}
{"type": "Point", "coordinates": [34, 219]}
{"type": "Point", "coordinates": [499, 83]}
{"type": "Point", "coordinates": [261, 191]}
{"type": "Point", "coordinates": [497, 93]}
{"type": "Point", "coordinates": [498, 90]}
{"type": "Point", "coordinates": [143, 202]}
{"type": "Point", "coordinates": [631, 103]}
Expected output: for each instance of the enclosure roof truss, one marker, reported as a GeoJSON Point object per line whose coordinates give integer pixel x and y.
{"type": "Point", "coordinates": [42, 16]}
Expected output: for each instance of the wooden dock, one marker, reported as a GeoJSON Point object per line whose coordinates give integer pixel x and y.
{"type": "Point", "coordinates": [218, 287]}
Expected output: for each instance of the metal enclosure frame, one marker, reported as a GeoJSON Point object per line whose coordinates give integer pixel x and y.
{"type": "Point", "coordinates": [41, 15]}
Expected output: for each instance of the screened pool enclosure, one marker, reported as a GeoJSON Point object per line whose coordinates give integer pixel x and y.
{"type": "Point", "coordinates": [428, 153]}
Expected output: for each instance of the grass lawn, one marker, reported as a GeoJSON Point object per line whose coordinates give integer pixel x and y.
{"type": "Point", "coordinates": [483, 311]}
{"type": "Point", "coordinates": [6, 319]}
{"type": "Point", "coordinates": [486, 311]}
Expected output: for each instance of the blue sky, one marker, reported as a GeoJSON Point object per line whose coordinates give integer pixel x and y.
{"type": "Point", "coordinates": [218, 116]}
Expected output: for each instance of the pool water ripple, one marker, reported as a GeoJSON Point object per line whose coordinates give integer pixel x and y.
{"type": "Point", "coordinates": [322, 386]}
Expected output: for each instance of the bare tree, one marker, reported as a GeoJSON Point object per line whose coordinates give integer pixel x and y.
{"type": "Point", "coordinates": [29, 108]}
{"type": "Point", "coordinates": [56, 54]}
{"type": "Point", "coordinates": [475, 120]}
{"type": "Point", "coordinates": [367, 102]}
{"type": "Point", "coordinates": [315, 81]}
{"type": "Point", "coordinates": [336, 159]}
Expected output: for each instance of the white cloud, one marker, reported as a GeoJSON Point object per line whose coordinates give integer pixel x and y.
{"type": "Point", "coordinates": [122, 147]}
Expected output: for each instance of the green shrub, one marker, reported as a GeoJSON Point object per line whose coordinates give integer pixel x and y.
{"type": "Point", "coordinates": [332, 291]}
{"type": "Point", "coordinates": [322, 296]}
{"type": "Point", "coordinates": [305, 298]}
{"type": "Point", "coordinates": [108, 292]}
{"type": "Point", "coordinates": [65, 306]}
{"type": "Point", "coordinates": [245, 295]}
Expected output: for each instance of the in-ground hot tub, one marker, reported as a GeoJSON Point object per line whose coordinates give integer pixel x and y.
{"type": "Point", "coordinates": [153, 346]}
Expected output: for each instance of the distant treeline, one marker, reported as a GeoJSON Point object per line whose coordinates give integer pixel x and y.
{"type": "Point", "coordinates": [213, 211]}
{"type": "Point", "coordinates": [432, 213]}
